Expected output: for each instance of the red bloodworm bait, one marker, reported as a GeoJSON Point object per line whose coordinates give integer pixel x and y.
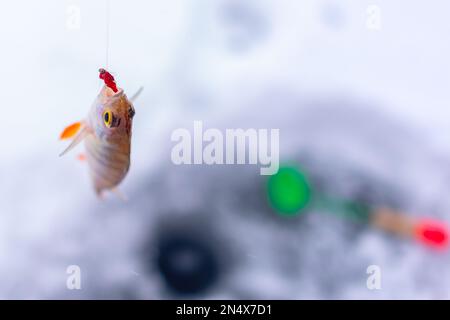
{"type": "Point", "coordinates": [108, 79]}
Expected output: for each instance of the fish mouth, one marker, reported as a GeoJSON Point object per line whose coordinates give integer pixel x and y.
{"type": "Point", "coordinates": [107, 92]}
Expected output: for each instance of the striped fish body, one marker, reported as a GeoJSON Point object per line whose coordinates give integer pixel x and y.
{"type": "Point", "coordinates": [108, 145]}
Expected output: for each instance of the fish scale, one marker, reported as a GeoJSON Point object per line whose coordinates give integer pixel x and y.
{"type": "Point", "coordinates": [108, 168]}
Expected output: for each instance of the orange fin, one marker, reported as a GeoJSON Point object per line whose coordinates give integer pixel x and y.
{"type": "Point", "coordinates": [78, 138]}
{"type": "Point", "coordinates": [70, 131]}
{"type": "Point", "coordinates": [81, 157]}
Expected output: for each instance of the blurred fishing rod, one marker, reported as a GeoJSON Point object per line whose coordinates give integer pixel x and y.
{"type": "Point", "coordinates": [290, 193]}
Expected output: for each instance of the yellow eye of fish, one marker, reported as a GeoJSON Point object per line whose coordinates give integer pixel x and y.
{"type": "Point", "coordinates": [107, 118]}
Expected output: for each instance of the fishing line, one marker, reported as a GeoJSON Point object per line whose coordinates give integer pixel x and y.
{"type": "Point", "coordinates": [107, 33]}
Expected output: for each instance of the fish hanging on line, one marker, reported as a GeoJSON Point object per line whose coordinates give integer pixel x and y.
{"type": "Point", "coordinates": [106, 132]}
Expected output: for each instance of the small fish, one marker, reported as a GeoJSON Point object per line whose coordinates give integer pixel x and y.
{"type": "Point", "coordinates": [106, 132]}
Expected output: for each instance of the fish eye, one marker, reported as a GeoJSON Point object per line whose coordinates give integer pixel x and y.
{"type": "Point", "coordinates": [107, 118]}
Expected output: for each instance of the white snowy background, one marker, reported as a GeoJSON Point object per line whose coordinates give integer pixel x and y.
{"type": "Point", "coordinates": [363, 108]}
